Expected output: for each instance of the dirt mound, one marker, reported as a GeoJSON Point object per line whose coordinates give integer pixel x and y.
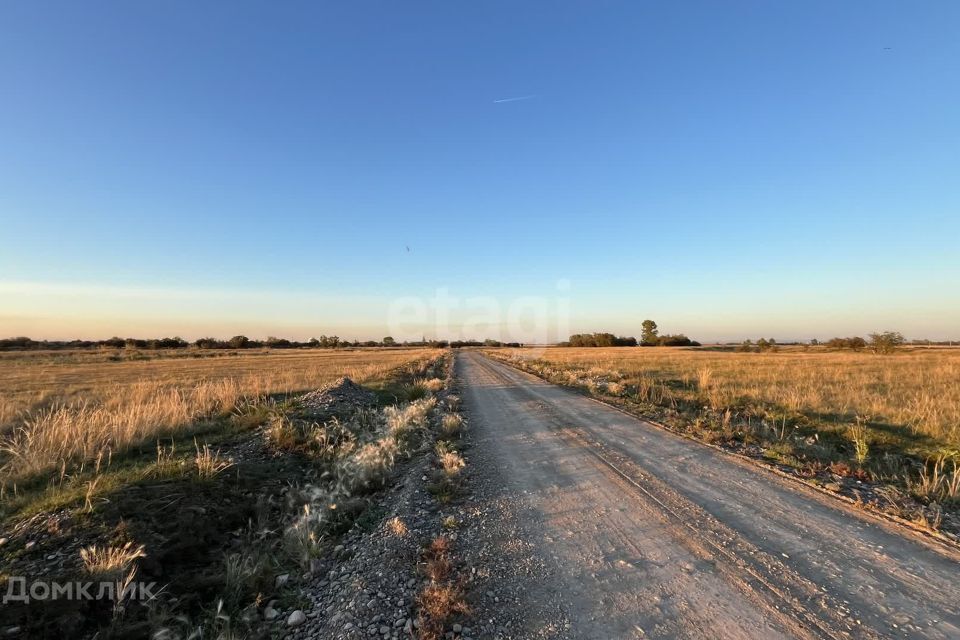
{"type": "Point", "coordinates": [342, 396]}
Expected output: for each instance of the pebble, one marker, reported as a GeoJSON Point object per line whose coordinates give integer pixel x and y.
{"type": "Point", "coordinates": [296, 618]}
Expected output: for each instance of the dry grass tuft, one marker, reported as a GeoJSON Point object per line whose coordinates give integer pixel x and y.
{"type": "Point", "coordinates": [397, 527]}
{"type": "Point", "coordinates": [209, 463]}
{"type": "Point", "coordinates": [110, 561]}
{"type": "Point", "coordinates": [451, 424]}
{"type": "Point", "coordinates": [442, 598]}
{"type": "Point", "coordinates": [450, 461]}
{"type": "Point", "coordinates": [938, 481]}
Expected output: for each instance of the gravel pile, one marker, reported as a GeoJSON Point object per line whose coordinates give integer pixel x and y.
{"type": "Point", "coordinates": [340, 397]}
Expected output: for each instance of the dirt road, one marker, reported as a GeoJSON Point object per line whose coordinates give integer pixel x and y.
{"type": "Point", "coordinates": [652, 535]}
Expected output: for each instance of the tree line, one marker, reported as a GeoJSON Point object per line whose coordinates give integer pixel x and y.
{"type": "Point", "coordinates": [649, 337]}
{"type": "Point", "coordinates": [22, 343]}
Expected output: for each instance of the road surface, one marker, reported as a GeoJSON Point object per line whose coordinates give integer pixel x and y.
{"type": "Point", "coordinates": [653, 535]}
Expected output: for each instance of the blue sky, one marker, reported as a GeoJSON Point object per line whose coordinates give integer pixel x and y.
{"type": "Point", "coordinates": [728, 169]}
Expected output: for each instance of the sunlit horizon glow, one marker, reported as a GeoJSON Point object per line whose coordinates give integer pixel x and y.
{"type": "Point", "coordinates": [731, 171]}
{"type": "Point", "coordinates": [61, 311]}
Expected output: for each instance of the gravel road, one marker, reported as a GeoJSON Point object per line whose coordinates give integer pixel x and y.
{"type": "Point", "coordinates": [647, 534]}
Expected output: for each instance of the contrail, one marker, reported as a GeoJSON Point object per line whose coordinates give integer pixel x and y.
{"type": "Point", "coordinates": [513, 99]}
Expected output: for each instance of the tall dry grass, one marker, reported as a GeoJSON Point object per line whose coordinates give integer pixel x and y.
{"type": "Point", "coordinates": [62, 412]}
{"type": "Point", "coordinates": [917, 390]}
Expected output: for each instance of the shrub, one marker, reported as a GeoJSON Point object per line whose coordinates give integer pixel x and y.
{"type": "Point", "coordinates": [886, 342]}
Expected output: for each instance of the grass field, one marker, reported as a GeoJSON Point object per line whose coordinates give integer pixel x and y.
{"type": "Point", "coordinates": [891, 418]}
{"type": "Point", "coordinates": [64, 408]}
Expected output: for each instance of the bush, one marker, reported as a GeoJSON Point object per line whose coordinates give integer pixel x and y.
{"type": "Point", "coordinates": [886, 342]}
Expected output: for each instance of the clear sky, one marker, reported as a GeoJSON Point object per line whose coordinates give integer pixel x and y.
{"type": "Point", "coordinates": [729, 169]}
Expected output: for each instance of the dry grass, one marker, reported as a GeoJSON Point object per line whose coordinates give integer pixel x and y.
{"type": "Point", "coordinates": [939, 481]}
{"type": "Point", "coordinates": [209, 463]}
{"type": "Point", "coordinates": [442, 597]}
{"type": "Point", "coordinates": [451, 424]}
{"type": "Point", "coordinates": [110, 561]}
{"type": "Point", "coordinates": [67, 408]}
{"type": "Point", "coordinates": [397, 527]}
{"type": "Point", "coordinates": [916, 390]}
{"type": "Point", "coordinates": [450, 461]}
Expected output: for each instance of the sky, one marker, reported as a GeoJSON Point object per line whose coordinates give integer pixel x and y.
{"type": "Point", "coordinates": [446, 169]}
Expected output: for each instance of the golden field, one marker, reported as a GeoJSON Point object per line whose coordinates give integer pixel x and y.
{"type": "Point", "coordinates": [915, 392]}
{"type": "Point", "coordinates": [58, 408]}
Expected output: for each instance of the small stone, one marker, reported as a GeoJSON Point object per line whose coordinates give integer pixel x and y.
{"type": "Point", "coordinates": [281, 580]}
{"type": "Point", "coordinates": [270, 613]}
{"type": "Point", "coordinates": [4, 541]}
{"type": "Point", "coordinates": [296, 618]}
{"type": "Point", "coordinates": [384, 630]}
{"type": "Point", "coordinates": [457, 628]}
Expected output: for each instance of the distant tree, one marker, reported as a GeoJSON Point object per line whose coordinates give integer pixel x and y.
{"type": "Point", "coordinates": [207, 343]}
{"type": "Point", "coordinates": [814, 342]}
{"type": "Point", "coordinates": [648, 333]}
{"type": "Point", "coordinates": [678, 340]}
{"type": "Point", "coordinates": [746, 346]}
{"type": "Point", "coordinates": [856, 343]}
{"type": "Point", "coordinates": [767, 344]}
{"type": "Point", "coordinates": [389, 342]}
{"type": "Point", "coordinates": [238, 342]}
{"type": "Point", "coordinates": [886, 342]}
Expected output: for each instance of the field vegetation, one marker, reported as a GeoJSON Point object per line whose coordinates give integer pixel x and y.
{"type": "Point", "coordinates": [59, 409]}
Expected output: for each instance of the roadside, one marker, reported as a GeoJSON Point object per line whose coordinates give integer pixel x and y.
{"type": "Point", "coordinates": [923, 495]}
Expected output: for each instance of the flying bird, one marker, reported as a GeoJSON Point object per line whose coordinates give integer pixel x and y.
{"type": "Point", "coordinates": [517, 99]}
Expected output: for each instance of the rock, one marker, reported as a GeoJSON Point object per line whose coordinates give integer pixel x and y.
{"type": "Point", "coordinates": [457, 628]}
{"type": "Point", "coordinates": [4, 541]}
{"type": "Point", "coordinates": [408, 627]}
{"type": "Point", "coordinates": [270, 613]}
{"type": "Point", "coordinates": [296, 618]}
{"type": "Point", "coordinates": [281, 580]}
